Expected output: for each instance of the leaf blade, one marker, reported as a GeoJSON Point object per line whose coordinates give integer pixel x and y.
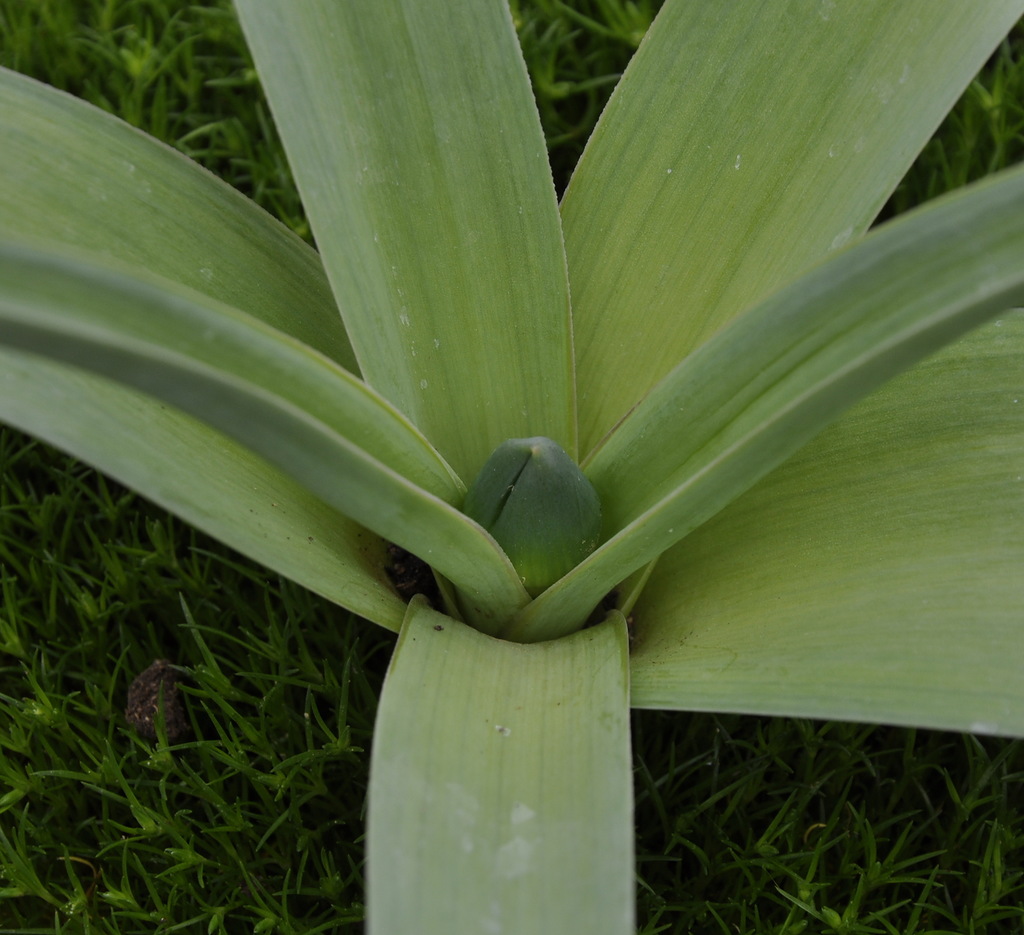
{"type": "Point", "coordinates": [149, 207]}
{"type": "Point", "coordinates": [237, 497]}
{"type": "Point", "coordinates": [414, 139]}
{"type": "Point", "coordinates": [884, 558]}
{"type": "Point", "coordinates": [297, 409]}
{"type": "Point", "coordinates": [761, 388]}
{"type": "Point", "coordinates": [504, 803]}
{"type": "Point", "coordinates": [776, 131]}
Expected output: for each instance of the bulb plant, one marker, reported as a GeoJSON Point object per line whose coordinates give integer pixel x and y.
{"type": "Point", "coordinates": [647, 437]}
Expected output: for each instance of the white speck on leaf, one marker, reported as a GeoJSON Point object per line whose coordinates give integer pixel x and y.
{"type": "Point", "coordinates": [739, 158]}
{"type": "Point", "coordinates": [521, 813]}
{"type": "Point", "coordinates": [513, 858]}
{"type": "Point", "coordinates": [983, 727]}
{"type": "Point", "coordinates": [841, 238]}
{"type": "Point", "coordinates": [504, 731]}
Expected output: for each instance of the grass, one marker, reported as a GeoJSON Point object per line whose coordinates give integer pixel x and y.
{"type": "Point", "coordinates": [253, 821]}
{"type": "Point", "coordinates": [256, 817]}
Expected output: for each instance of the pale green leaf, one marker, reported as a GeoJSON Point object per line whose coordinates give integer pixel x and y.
{"type": "Point", "coordinates": [267, 391]}
{"type": "Point", "coordinates": [761, 388]}
{"type": "Point", "coordinates": [205, 478]}
{"type": "Point", "coordinates": [876, 576]}
{"type": "Point", "coordinates": [63, 293]}
{"type": "Point", "coordinates": [77, 176]}
{"type": "Point", "coordinates": [417, 148]}
{"type": "Point", "coordinates": [745, 140]}
{"type": "Point", "coordinates": [501, 788]}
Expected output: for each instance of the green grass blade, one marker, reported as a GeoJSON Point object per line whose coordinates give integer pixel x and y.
{"type": "Point", "coordinates": [745, 141]}
{"type": "Point", "coordinates": [415, 142]}
{"type": "Point", "coordinates": [875, 576]}
{"type": "Point", "coordinates": [500, 785]}
{"type": "Point", "coordinates": [143, 203]}
{"type": "Point", "coordinates": [763, 387]}
{"type": "Point", "coordinates": [296, 408]}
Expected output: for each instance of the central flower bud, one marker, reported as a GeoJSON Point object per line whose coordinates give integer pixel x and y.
{"type": "Point", "coordinates": [533, 498]}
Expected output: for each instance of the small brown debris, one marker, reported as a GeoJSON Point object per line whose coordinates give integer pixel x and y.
{"type": "Point", "coordinates": [144, 700]}
{"type": "Point", "coordinates": [411, 575]}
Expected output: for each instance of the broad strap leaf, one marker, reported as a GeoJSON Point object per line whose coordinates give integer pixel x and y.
{"type": "Point", "coordinates": [415, 142]}
{"type": "Point", "coordinates": [756, 392]}
{"type": "Point", "coordinates": [77, 176]}
{"type": "Point", "coordinates": [745, 141]}
{"type": "Point", "coordinates": [205, 478]}
{"type": "Point", "coordinates": [302, 412]}
{"type": "Point", "coordinates": [876, 576]}
{"type": "Point", "coordinates": [500, 785]}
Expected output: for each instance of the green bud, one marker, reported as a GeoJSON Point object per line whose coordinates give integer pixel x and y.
{"type": "Point", "coordinates": [533, 498]}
